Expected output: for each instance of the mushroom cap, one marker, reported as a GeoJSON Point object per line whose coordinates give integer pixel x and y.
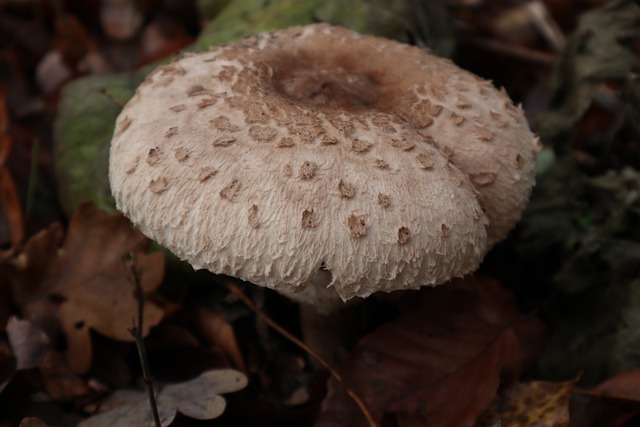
{"type": "Point", "coordinates": [315, 149]}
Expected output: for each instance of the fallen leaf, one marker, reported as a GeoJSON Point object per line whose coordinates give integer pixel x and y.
{"type": "Point", "coordinates": [33, 422]}
{"type": "Point", "coordinates": [502, 309]}
{"type": "Point", "coordinates": [625, 385]}
{"type": "Point", "coordinates": [27, 348]}
{"type": "Point", "coordinates": [612, 403]}
{"type": "Point", "coordinates": [71, 39]}
{"type": "Point", "coordinates": [9, 198]}
{"type": "Point", "coordinates": [85, 284]}
{"type": "Point", "coordinates": [28, 343]}
{"type": "Point", "coordinates": [7, 365]}
{"type": "Point", "coordinates": [59, 380]}
{"type": "Point", "coordinates": [438, 366]}
{"type": "Point", "coordinates": [217, 332]}
{"type": "Point", "coordinates": [120, 19]}
{"type": "Point", "coordinates": [175, 354]}
{"type": "Point", "coordinates": [199, 398]}
{"type": "Point", "coordinates": [535, 403]}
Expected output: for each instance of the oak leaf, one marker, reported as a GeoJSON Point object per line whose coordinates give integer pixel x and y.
{"type": "Point", "coordinates": [198, 398]}
{"type": "Point", "coordinates": [81, 282]}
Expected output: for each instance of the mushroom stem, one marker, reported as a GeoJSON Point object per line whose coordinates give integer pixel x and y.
{"type": "Point", "coordinates": [235, 290]}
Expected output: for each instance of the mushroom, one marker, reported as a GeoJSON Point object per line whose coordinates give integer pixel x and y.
{"type": "Point", "coordinates": [322, 163]}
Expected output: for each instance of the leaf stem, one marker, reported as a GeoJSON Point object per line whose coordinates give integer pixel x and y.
{"type": "Point", "coordinates": [136, 331]}
{"type": "Point", "coordinates": [235, 290]}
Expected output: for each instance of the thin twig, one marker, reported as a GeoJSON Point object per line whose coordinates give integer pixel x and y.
{"type": "Point", "coordinates": [235, 290]}
{"type": "Point", "coordinates": [506, 49]}
{"type": "Point", "coordinates": [112, 98]}
{"type": "Point", "coordinates": [136, 331]}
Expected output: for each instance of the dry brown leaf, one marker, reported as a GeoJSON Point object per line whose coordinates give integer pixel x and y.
{"type": "Point", "coordinates": [536, 403]}
{"type": "Point", "coordinates": [33, 422]}
{"type": "Point", "coordinates": [9, 198]}
{"type": "Point", "coordinates": [85, 284]}
{"type": "Point", "coordinates": [612, 402]}
{"type": "Point", "coordinates": [625, 385]}
{"type": "Point", "coordinates": [72, 39]}
{"type": "Point", "coordinates": [198, 398]}
{"type": "Point", "coordinates": [439, 366]}
{"type": "Point", "coordinates": [503, 309]}
{"type": "Point", "coordinates": [7, 365]}
{"type": "Point", "coordinates": [60, 382]}
{"type": "Point", "coordinates": [216, 331]}
{"type": "Point", "coordinates": [120, 19]}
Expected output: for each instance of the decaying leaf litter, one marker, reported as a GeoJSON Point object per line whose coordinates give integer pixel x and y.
{"type": "Point", "coordinates": [571, 263]}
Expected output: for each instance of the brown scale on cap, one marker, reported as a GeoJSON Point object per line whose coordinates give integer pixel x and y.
{"type": "Point", "coordinates": [227, 73]}
{"type": "Point", "coordinates": [262, 133]}
{"type": "Point", "coordinates": [402, 143]}
{"type": "Point", "coordinates": [132, 165]}
{"type": "Point", "coordinates": [384, 200]}
{"type": "Point", "coordinates": [456, 119]}
{"type": "Point", "coordinates": [181, 154]}
{"type": "Point", "coordinates": [164, 81]}
{"type": "Point", "coordinates": [483, 178]}
{"type": "Point", "coordinates": [327, 140]}
{"type": "Point", "coordinates": [171, 132]}
{"type": "Point", "coordinates": [223, 124]}
{"type": "Point", "coordinates": [253, 216]}
{"type": "Point", "coordinates": [123, 125]}
{"type": "Point", "coordinates": [310, 136]}
{"type": "Point", "coordinates": [224, 141]}
{"type": "Point", "coordinates": [357, 225]}
{"type": "Point", "coordinates": [344, 126]}
{"type": "Point", "coordinates": [286, 142]}
{"type": "Point", "coordinates": [154, 156]}
{"type": "Point", "coordinates": [207, 172]}
{"type": "Point", "coordinates": [381, 164]}
{"type": "Point", "coordinates": [308, 170]}
{"type": "Point", "coordinates": [432, 110]}
{"type": "Point", "coordinates": [463, 102]}
{"type": "Point", "coordinates": [483, 132]}
{"type": "Point", "coordinates": [498, 118]}
{"type": "Point", "coordinates": [177, 108]}
{"type": "Point", "coordinates": [159, 185]}
{"type": "Point", "coordinates": [308, 219]}
{"type": "Point", "coordinates": [403, 235]}
{"type": "Point", "coordinates": [305, 134]}
{"type": "Point", "coordinates": [347, 191]}
{"type": "Point", "coordinates": [197, 90]}
{"type": "Point", "coordinates": [208, 102]}
{"type": "Point", "coordinates": [439, 92]}
{"type": "Point", "coordinates": [360, 146]}
{"type": "Point", "coordinates": [230, 191]}
{"type": "Point", "coordinates": [426, 160]}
